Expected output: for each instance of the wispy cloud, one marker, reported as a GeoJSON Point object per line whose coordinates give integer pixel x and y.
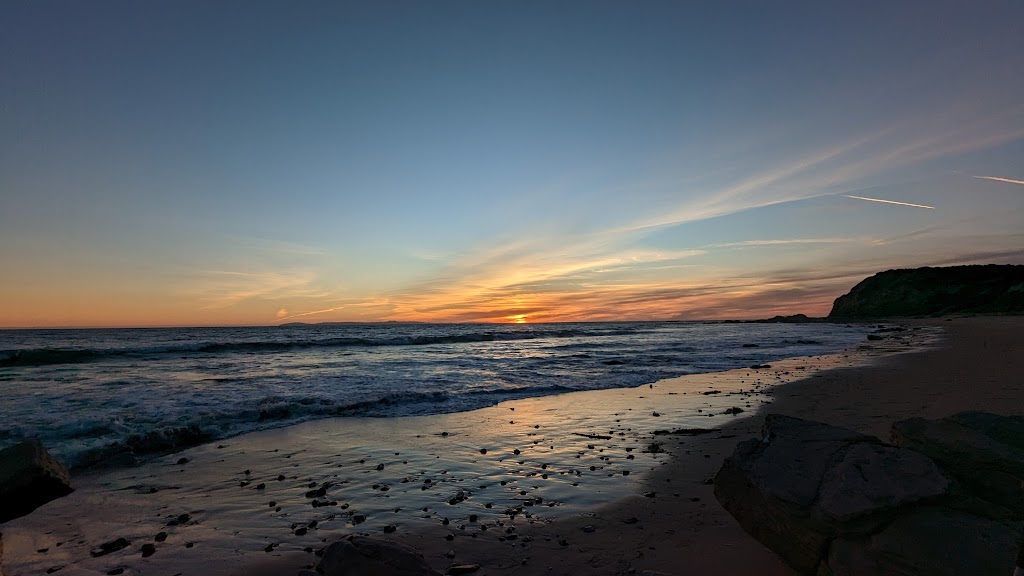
{"type": "Point", "coordinates": [888, 201]}
{"type": "Point", "coordinates": [1000, 179]}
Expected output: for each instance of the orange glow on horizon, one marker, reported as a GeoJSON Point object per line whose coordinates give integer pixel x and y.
{"type": "Point", "coordinates": [517, 319]}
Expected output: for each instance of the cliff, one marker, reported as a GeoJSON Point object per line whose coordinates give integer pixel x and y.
{"type": "Point", "coordinates": [982, 289]}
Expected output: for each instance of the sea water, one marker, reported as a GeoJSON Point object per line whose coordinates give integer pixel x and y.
{"type": "Point", "coordinates": [89, 394]}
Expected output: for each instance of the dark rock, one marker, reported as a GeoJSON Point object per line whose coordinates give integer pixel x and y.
{"type": "Point", "coordinates": [751, 345]}
{"type": "Point", "coordinates": [148, 550]}
{"type": "Point", "coordinates": [182, 461]}
{"type": "Point", "coordinates": [734, 410]}
{"type": "Point", "coordinates": [988, 289]}
{"type": "Point", "coordinates": [362, 556]}
{"type": "Point", "coordinates": [833, 502]}
{"type": "Point", "coordinates": [686, 431]}
{"type": "Point", "coordinates": [29, 478]}
{"type": "Point", "coordinates": [160, 537]}
{"type": "Point", "coordinates": [108, 547]}
{"type": "Point", "coordinates": [983, 451]}
{"type": "Point", "coordinates": [462, 569]}
{"type": "Point", "coordinates": [115, 571]}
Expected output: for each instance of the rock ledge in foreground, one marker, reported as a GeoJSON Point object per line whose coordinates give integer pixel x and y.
{"type": "Point", "coordinates": [29, 478]}
{"type": "Point", "coordinates": [833, 502]}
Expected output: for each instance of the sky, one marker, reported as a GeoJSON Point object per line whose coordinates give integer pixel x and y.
{"type": "Point", "coordinates": [251, 163]}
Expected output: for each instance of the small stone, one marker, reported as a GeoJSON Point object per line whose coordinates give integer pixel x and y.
{"type": "Point", "coordinates": [108, 547]}
{"type": "Point", "coordinates": [483, 450]}
{"type": "Point", "coordinates": [148, 550]}
{"type": "Point", "coordinates": [589, 529]}
{"type": "Point", "coordinates": [300, 531]}
{"type": "Point", "coordinates": [380, 466]}
{"type": "Point", "coordinates": [261, 486]}
{"type": "Point", "coordinates": [449, 537]}
{"type": "Point", "coordinates": [390, 528]}
{"type": "Point", "coordinates": [182, 461]}
{"type": "Point", "coordinates": [160, 537]}
{"type": "Point", "coordinates": [115, 571]}
{"type": "Point", "coordinates": [463, 569]}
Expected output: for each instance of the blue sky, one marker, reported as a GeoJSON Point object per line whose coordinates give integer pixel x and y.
{"type": "Point", "coordinates": [188, 163]}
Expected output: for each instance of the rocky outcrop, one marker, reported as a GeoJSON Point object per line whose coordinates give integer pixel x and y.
{"type": "Point", "coordinates": [362, 556]}
{"type": "Point", "coordinates": [29, 478]}
{"type": "Point", "coordinates": [988, 289]}
{"type": "Point", "coordinates": [835, 502]}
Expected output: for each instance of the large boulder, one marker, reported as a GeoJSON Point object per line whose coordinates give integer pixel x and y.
{"type": "Point", "coordinates": [362, 556]}
{"type": "Point", "coordinates": [983, 451]}
{"type": "Point", "coordinates": [832, 501]}
{"type": "Point", "coordinates": [29, 478]}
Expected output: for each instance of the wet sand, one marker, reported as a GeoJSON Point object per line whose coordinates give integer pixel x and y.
{"type": "Point", "coordinates": [591, 490]}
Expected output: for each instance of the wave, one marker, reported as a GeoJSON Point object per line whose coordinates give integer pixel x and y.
{"type": "Point", "coordinates": [47, 356]}
{"type": "Point", "coordinates": [51, 356]}
{"type": "Point", "coordinates": [115, 443]}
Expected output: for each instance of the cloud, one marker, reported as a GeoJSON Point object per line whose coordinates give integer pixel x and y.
{"type": "Point", "coordinates": [1000, 179]}
{"type": "Point", "coordinates": [282, 313]}
{"type": "Point", "coordinates": [888, 201]}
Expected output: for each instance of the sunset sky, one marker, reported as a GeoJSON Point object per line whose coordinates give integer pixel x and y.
{"type": "Point", "coordinates": [226, 163]}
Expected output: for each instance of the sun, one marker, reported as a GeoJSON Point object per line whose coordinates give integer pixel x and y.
{"type": "Point", "coordinates": [517, 319]}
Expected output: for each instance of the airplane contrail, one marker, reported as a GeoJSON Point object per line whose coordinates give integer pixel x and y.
{"type": "Point", "coordinates": [889, 202]}
{"type": "Point", "coordinates": [999, 179]}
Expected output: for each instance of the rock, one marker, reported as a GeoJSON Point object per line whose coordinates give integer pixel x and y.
{"type": "Point", "coordinates": [362, 556]}
{"type": "Point", "coordinates": [182, 461]}
{"type": "Point", "coordinates": [805, 484]}
{"type": "Point", "coordinates": [462, 569]}
{"type": "Point", "coordinates": [929, 540]}
{"type": "Point", "coordinates": [872, 478]}
{"type": "Point", "coordinates": [983, 451]}
{"type": "Point", "coordinates": [148, 550]}
{"type": "Point", "coordinates": [29, 478]}
{"type": "Point", "coordinates": [108, 547]}
{"type": "Point", "coordinates": [833, 502]}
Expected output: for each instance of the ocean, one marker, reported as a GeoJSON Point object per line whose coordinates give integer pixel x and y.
{"type": "Point", "coordinates": [90, 394]}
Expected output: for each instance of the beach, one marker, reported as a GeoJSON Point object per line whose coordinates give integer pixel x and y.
{"type": "Point", "coordinates": [577, 483]}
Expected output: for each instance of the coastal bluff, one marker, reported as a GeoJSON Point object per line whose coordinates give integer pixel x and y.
{"type": "Point", "coordinates": [930, 292]}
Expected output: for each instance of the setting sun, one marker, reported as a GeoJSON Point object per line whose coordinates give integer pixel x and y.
{"type": "Point", "coordinates": [517, 319]}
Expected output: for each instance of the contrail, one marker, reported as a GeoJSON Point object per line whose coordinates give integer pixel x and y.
{"type": "Point", "coordinates": [310, 313]}
{"type": "Point", "coordinates": [998, 179]}
{"type": "Point", "coordinates": [890, 202]}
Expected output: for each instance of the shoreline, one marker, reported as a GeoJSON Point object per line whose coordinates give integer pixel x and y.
{"type": "Point", "coordinates": [627, 530]}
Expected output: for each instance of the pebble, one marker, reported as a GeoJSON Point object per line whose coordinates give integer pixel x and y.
{"type": "Point", "coordinates": [160, 537]}
{"type": "Point", "coordinates": [182, 461]}
{"type": "Point", "coordinates": [148, 550]}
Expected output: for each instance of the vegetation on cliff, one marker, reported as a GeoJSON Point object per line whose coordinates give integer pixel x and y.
{"type": "Point", "coordinates": [980, 289]}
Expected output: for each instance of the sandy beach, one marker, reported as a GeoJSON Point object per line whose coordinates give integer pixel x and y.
{"type": "Point", "coordinates": [579, 483]}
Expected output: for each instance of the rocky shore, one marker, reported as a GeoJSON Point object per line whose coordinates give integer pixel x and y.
{"type": "Point", "coordinates": [581, 483]}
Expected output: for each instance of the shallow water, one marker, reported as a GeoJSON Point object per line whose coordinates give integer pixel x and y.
{"type": "Point", "coordinates": [89, 394]}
